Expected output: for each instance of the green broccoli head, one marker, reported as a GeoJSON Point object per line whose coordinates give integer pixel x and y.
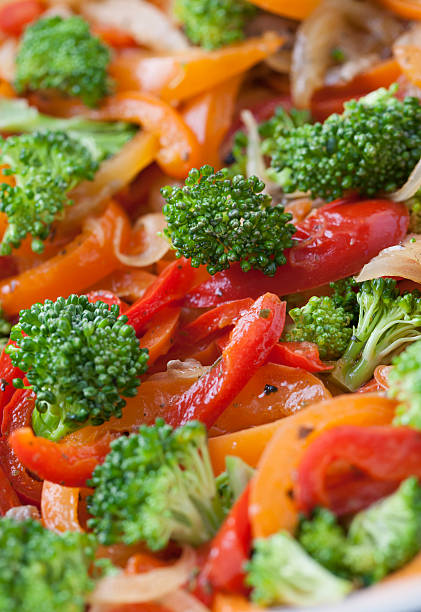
{"type": "Point", "coordinates": [387, 322]}
{"type": "Point", "coordinates": [344, 294]}
{"type": "Point", "coordinates": [372, 147]}
{"type": "Point", "coordinates": [214, 23]}
{"type": "Point", "coordinates": [414, 207]}
{"type": "Point", "coordinates": [5, 328]}
{"type": "Point", "coordinates": [380, 539]}
{"type": "Point", "coordinates": [156, 486]}
{"type": "Point", "coordinates": [102, 138]}
{"type": "Point", "coordinates": [43, 570]}
{"type": "Point", "coordinates": [45, 166]}
{"type": "Point", "coordinates": [387, 535]}
{"type": "Point", "coordinates": [233, 481]}
{"type": "Point", "coordinates": [81, 360]}
{"type": "Point", "coordinates": [324, 540]}
{"type": "Point", "coordinates": [281, 572]}
{"type": "Point", "coordinates": [61, 55]}
{"type": "Point", "coordinates": [405, 386]}
{"type": "Point", "coordinates": [323, 323]}
{"type": "Point", "coordinates": [214, 220]}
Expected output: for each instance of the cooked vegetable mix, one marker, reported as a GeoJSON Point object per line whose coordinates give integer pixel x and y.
{"type": "Point", "coordinates": [210, 303]}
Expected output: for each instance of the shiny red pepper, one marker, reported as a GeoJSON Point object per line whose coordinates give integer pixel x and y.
{"type": "Point", "coordinates": [216, 319]}
{"type": "Point", "coordinates": [223, 569]}
{"type": "Point", "coordinates": [8, 497]}
{"type": "Point", "coordinates": [380, 456]}
{"type": "Point", "coordinates": [107, 297]}
{"type": "Point", "coordinates": [303, 355]}
{"type": "Point", "coordinates": [251, 341]}
{"type": "Point", "coordinates": [343, 236]}
{"type": "Point", "coordinates": [7, 373]}
{"type": "Point", "coordinates": [170, 286]}
{"type": "Point", "coordinates": [63, 463]}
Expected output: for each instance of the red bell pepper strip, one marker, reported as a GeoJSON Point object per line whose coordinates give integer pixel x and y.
{"type": "Point", "coordinates": [7, 373]}
{"type": "Point", "coordinates": [108, 297]}
{"type": "Point", "coordinates": [223, 569]}
{"type": "Point", "coordinates": [385, 454]}
{"type": "Point", "coordinates": [170, 286]}
{"type": "Point", "coordinates": [216, 319]}
{"type": "Point", "coordinates": [343, 236]}
{"type": "Point", "coordinates": [15, 16]}
{"type": "Point", "coordinates": [8, 497]}
{"type": "Point", "coordinates": [250, 343]}
{"type": "Point", "coordinates": [18, 411]}
{"type": "Point", "coordinates": [63, 463]}
{"type": "Point", "coordinates": [303, 355]}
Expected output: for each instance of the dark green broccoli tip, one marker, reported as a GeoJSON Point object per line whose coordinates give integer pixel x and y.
{"type": "Point", "coordinates": [323, 323]}
{"type": "Point", "coordinates": [344, 294]}
{"type": "Point", "coordinates": [5, 328]}
{"type": "Point", "coordinates": [405, 386]}
{"type": "Point", "coordinates": [414, 208]}
{"type": "Point", "coordinates": [43, 570]}
{"type": "Point", "coordinates": [156, 486]}
{"type": "Point", "coordinates": [281, 572]}
{"type": "Point", "coordinates": [81, 360]}
{"type": "Point", "coordinates": [387, 322]}
{"type": "Point", "coordinates": [61, 55]}
{"type": "Point", "coordinates": [214, 23]}
{"type": "Point", "coordinates": [372, 147]}
{"type": "Point", "coordinates": [380, 539]}
{"type": "Point", "coordinates": [46, 166]}
{"type": "Point", "coordinates": [215, 220]}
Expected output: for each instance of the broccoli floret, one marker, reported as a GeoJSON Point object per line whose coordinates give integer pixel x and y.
{"type": "Point", "coordinates": [372, 147]}
{"type": "Point", "coordinates": [214, 220]}
{"type": "Point", "coordinates": [281, 572]}
{"type": "Point", "coordinates": [323, 323]}
{"type": "Point", "coordinates": [102, 138]}
{"type": "Point", "coordinates": [380, 539]}
{"type": "Point", "coordinates": [214, 23]}
{"type": "Point", "coordinates": [387, 535]}
{"type": "Point", "coordinates": [81, 360]}
{"type": "Point", "coordinates": [156, 486]}
{"type": "Point", "coordinates": [44, 570]}
{"type": "Point", "coordinates": [45, 167]}
{"type": "Point", "coordinates": [344, 294]}
{"type": "Point", "coordinates": [387, 322]}
{"type": "Point", "coordinates": [61, 55]}
{"type": "Point", "coordinates": [405, 386]}
{"type": "Point", "coordinates": [325, 540]}
{"type": "Point", "coordinates": [414, 207]}
{"type": "Point", "coordinates": [5, 328]}
{"type": "Point", "coordinates": [233, 481]}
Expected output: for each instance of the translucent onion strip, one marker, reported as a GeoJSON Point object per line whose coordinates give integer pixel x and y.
{"type": "Point", "coordinates": [155, 246]}
{"type": "Point", "coordinates": [139, 588]}
{"type": "Point", "coordinates": [412, 185]}
{"type": "Point", "coordinates": [402, 260]}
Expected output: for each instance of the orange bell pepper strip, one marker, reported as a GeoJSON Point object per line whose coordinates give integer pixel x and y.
{"type": "Point", "coordinates": [8, 497]}
{"type": "Point", "coordinates": [83, 262]}
{"type": "Point", "coordinates": [59, 507]}
{"type": "Point", "coordinates": [271, 503]}
{"type": "Point", "coordinates": [286, 8]}
{"type": "Point", "coordinates": [233, 603]}
{"type": "Point", "coordinates": [179, 148]}
{"type": "Point", "coordinates": [175, 78]}
{"type": "Point", "coordinates": [210, 116]}
{"type": "Point", "coordinates": [160, 333]}
{"type": "Point", "coordinates": [62, 463]}
{"type": "Point", "coordinates": [408, 9]}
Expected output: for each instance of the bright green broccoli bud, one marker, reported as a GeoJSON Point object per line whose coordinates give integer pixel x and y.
{"type": "Point", "coordinates": [324, 540]}
{"type": "Point", "coordinates": [214, 220]}
{"type": "Point", "coordinates": [45, 166]}
{"type": "Point", "coordinates": [214, 23]}
{"type": "Point", "coordinates": [61, 55]}
{"type": "Point", "coordinates": [344, 294]}
{"type": "Point", "coordinates": [102, 138]}
{"type": "Point", "coordinates": [81, 360]}
{"type": "Point", "coordinates": [233, 481]}
{"type": "Point", "coordinates": [44, 570]}
{"type": "Point", "coordinates": [372, 147]}
{"type": "Point", "coordinates": [405, 386]}
{"type": "Point", "coordinates": [5, 328]}
{"type": "Point", "coordinates": [387, 535]}
{"type": "Point", "coordinates": [323, 323]}
{"type": "Point", "coordinates": [387, 322]}
{"type": "Point", "coordinates": [281, 572]}
{"type": "Point", "coordinates": [156, 486]}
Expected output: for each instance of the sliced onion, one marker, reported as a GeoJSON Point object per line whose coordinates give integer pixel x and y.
{"type": "Point", "coordinates": [402, 260]}
{"type": "Point", "coordinates": [412, 185]}
{"type": "Point", "coordinates": [255, 162]}
{"type": "Point", "coordinates": [8, 50]}
{"type": "Point", "coordinates": [23, 513]}
{"type": "Point", "coordinates": [113, 174]}
{"type": "Point", "coordinates": [181, 601]}
{"type": "Point", "coordinates": [190, 368]}
{"type": "Point", "coordinates": [151, 586]}
{"type": "Point", "coordinates": [146, 23]}
{"type": "Point", "coordinates": [156, 246]}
